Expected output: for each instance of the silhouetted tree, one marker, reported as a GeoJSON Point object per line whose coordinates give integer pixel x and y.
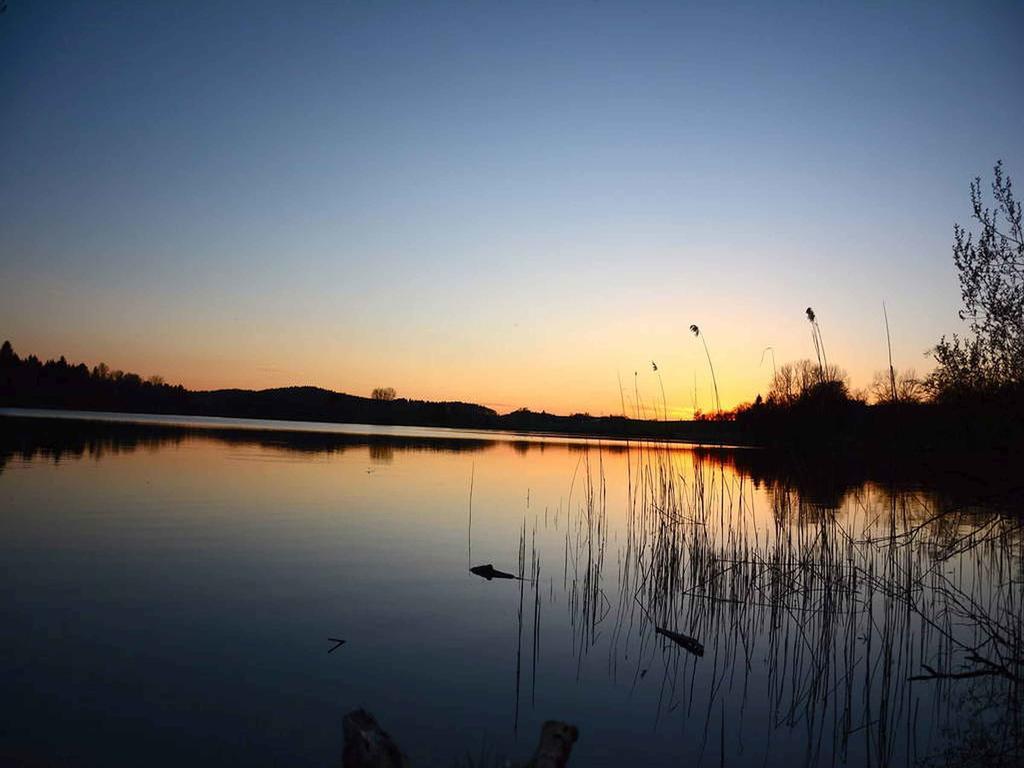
{"type": "Point", "coordinates": [57, 383]}
{"type": "Point", "coordinates": [784, 388]}
{"type": "Point", "coordinates": [991, 271]}
{"type": "Point", "coordinates": [901, 387]}
{"type": "Point", "coordinates": [803, 379]}
{"type": "Point", "coordinates": [383, 393]}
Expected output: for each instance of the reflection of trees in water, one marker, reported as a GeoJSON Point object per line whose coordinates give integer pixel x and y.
{"type": "Point", "coordinates": [825, 480]}
{"type": "Point", "coordinates": [382, 453]}
{"type": "Point", "coordinates": [60, 439]}
{"type": "Point", "coordinates": [26, 440]}
{"type": "Point", "coordinates": [863, 621]}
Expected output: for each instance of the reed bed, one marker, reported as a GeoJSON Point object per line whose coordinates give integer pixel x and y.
{"type": "Point", "coordinates": [880, 630]}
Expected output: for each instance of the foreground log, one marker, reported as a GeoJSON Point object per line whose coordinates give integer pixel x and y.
{"type": "Point", "coordinates": [556, 740]}
{"type": "Point", "coordinates": [367, 745]}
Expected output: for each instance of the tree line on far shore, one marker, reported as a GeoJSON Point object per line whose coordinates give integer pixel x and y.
{"type": "Point", "coordinates": [62, 384]}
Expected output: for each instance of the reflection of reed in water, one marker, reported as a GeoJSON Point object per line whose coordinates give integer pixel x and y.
{"type": "Point", "coordinates": [850, 618]}
{"type": "Point", "coordinates": [586, 540]}
{"type": "Point", "coordinates": [382, 453]}
{"type": "Point", "coordinates": [534, 580]}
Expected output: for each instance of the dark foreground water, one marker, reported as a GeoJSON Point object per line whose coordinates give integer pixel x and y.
{"type": "Point", "coordinates": [168, 589]}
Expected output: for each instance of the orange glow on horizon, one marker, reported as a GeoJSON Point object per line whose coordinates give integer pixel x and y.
{"type": "Point", "coordinates": [598, 372]}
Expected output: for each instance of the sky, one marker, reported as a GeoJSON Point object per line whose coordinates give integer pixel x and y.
{"type": "Point", "coordinates": [517, 204]}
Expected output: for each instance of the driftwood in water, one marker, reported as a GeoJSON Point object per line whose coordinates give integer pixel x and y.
{"type": "Point", "coordinates": [367, 745]}
{"type": "Point", "coordinates": [689, 643]}
{"type": "Point", "coordinates": [490, 572]}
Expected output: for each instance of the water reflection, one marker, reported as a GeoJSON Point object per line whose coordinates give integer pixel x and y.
{"type": "Point", "coordinates": [844, 613]}
{"type": "Point", "coordinates": [821, 480]}
{"type": "Point", "coordinates": [59, 439]}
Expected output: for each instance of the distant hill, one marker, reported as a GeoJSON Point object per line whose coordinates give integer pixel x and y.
{"type": "Point", "coordinates": [316, 404]}
{"type": "Point", "coordinates": [30, 383]}
{"type": "Point", "coordinates": [808, 426]}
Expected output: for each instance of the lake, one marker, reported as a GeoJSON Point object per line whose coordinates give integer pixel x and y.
{"type": "Point", "coordinates": [170, 584]}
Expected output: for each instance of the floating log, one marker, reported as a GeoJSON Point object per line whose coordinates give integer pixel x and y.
{"type": "Point", "coordinates": [689, 643]}
{"type": "Point", "coordinates": [490, 572]}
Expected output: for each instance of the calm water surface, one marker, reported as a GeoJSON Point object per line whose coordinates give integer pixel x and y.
{"type": "Point", "coordinates": [168, 592]}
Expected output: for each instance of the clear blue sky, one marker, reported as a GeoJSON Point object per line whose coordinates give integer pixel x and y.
{"type": "Point", "coordinates": [509, 203]}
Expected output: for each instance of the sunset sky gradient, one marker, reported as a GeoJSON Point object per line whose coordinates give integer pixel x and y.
{"type": "Point", "coordinates": [513, 204]}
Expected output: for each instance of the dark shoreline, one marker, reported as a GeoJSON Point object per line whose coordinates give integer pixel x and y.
{"type": "Point", "coordinates": [299, 427]}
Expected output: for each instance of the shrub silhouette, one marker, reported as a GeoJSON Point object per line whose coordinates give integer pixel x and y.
{"type": "Point", "coordinates": [990, 265]}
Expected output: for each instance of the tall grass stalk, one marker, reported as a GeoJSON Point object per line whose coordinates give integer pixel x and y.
{"type": "Point", "coordinates": [888, 343]}
{"type": "Point", "coordinates": [664, 402]}
{"type": "Point", "coordinates": [695, 330]}
{"type": "Point", "coordinates": [819, 346]}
